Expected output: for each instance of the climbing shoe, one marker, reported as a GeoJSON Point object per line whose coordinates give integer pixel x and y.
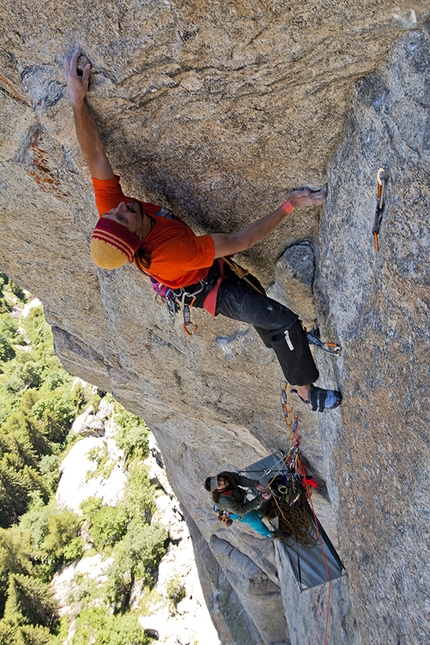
{"type": "Point", "coordinates": [321, 399]}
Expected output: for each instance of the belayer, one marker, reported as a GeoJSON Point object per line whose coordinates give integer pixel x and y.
{"type": "Point", "coordinates": [230, 497]}
{"type": "Point", "coordinates": [191, 266]}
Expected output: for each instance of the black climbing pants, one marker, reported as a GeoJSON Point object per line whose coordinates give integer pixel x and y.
{"type": "Point", "coordinates": [239, 301]}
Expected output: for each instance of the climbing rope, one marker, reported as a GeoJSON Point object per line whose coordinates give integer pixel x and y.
{"type": "Point", "coordinates": [289, 492]}
{"type": "Point", "coordinates": [294, 461]}
{"type": "Point", "coordinates": [293, 519]}
{"type": "Point", "coordinates": [242, 274]}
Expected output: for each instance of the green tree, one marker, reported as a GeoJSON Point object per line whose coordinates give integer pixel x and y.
{"type": "Point", "coordinates": [7, 633]}
{"type": "Point", "coordinates": [97, 625]}
{"type": "Point", "coordinates": [117, 589]}
{"type": "Point", "coordinates": [95, 401]}
{"type": "Point", "coordinates": [28, 374]}
{"type": "Point", "coordinates": [36, 327]}
{"type": "Point", "coordinates": [142, 548]}
{"type": "Point", "coordinates": [15, 553]}
{"type": "Point", "coordinates": [56, 412]}
{"type": "Point", "coordinates": [63, 531]}
{"type": "Point", "coordinates": [14, 494]}
{"type": "Point", "coordinates": [21, 451]}
{"type": "Point", "coordinates": [135, 557]}
{"type": "Point", "coordinates": [35, 482]}
{"type": "Point", "coordinates": [30, 601]}
{"type": "Point", "coordinates": [14, 384]}
{"type": "Point", "coordinates": [4, 446]}
{"type": "Point", "coordinates": [55, 379]}
{"type": "Point", "coordinates": [140, 493]}
{"type": "Point", "coordinates": [28, 400]}
{"type": "Point", "coordinates": [24, 425]}
{"type": "Point", "coordinates": [54, 533]}
{"type": "Point", "coordinates": [5, 307]}
{"type": "Point", "coordinates": [17, 290]}
{"type": "Point", "coordinates": [49, 467]}
{"type": "Point", "coordinates": [108, 526]}
{"type": "Point", "coordinates": [89, 508]}
{"type": "Point", "coordinates": [33, 635]}
{"type": "Point", "coordinates": [132, 435]}
{"type": "Point", "coordinates": [9, 327]}
{"type": "Point", "coordinates": [35, 521]}
{"type": "Point", "coordinates": [7, 351]}
{"type": "Point", "coordinates": [79, 396]}
{"type": "Point", "coordinates": [31, 373]}
{"type": "Point", "coordinates": [175, 592]}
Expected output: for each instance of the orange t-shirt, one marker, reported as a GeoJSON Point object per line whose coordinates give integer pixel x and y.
{"type": "Point", "coordinates": [179, 258]}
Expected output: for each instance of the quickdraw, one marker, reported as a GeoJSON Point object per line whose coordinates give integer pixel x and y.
{"type": "Point", "coordinates": [189, 326]}
{"type": "Point", "coordinates": [170, 299]}
{"type": "Point", "coordinates": [382, 178]}
{"type": "Point", "coordinates": [330, 348]}
{"type": "Point", "coordinates": [292, 459]}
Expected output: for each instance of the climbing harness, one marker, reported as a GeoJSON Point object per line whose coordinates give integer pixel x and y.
{"type": "Point", "coordinates": [382, 178]}
{"type": "Point", "coordinates": [175, 298]}
{"type": "Point", "coordinates": [166, 295]}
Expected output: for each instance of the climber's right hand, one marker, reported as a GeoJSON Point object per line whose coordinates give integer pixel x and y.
{"type": "Point", "coordinates": [76, 82]}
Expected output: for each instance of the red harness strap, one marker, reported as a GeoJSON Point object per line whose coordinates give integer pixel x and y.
{"type": "Point", "coordinates": [210, 300]}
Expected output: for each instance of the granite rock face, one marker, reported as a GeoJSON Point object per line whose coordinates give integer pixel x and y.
{"type": "Point", "coordinates": [378, 304]}
{"type": "Point", "coordinates": [216, 110]}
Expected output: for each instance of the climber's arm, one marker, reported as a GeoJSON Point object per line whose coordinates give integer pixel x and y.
{"type": "Point", "coordinates": [257, 231]}
{"type": "Point", "coordinates": [87, 131]}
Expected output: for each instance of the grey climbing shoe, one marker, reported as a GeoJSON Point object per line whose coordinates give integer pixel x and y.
{"type": "Point", "coordinates": [321, 399]}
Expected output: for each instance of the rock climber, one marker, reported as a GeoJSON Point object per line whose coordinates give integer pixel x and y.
{"type": "Point", "coordinates": [191, 266]}
{"type": "Point", "coordinates": [229, 494]}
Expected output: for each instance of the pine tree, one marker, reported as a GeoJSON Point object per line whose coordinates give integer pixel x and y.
{"type": "Point", "coordinates": [3, 444]}
{"type": "Point", "coordinates": [7, 633]}
{"type": "Point", "coordinates": [7, 352]}
{"type": "Point", "coordinates": [22, 450]}
{"type": "Point", "coordinates": [33, 635]}
{"type": "Point", "coordinates": [14, 494]}
{"type": "Point", "coordinates": [15, 552]}
{"type": "Point", "coordinates": [63, 527]}
{"type": "Point", "coordinates": [30, 601]}
{"type": "Point", "coordinates": [56, 412]}
{"type": "Point", "coordinates": [23, 424]}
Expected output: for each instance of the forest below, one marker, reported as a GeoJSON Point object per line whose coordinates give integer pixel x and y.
{"type": "Point", "coordinates": [38, 404]}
